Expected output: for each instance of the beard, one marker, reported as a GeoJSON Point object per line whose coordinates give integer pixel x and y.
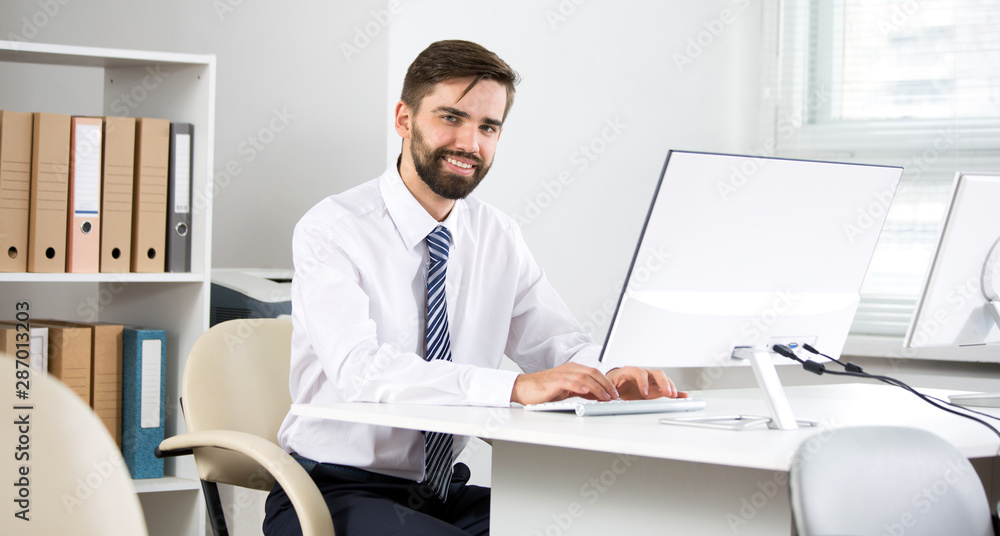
{"type": "Point", "coordinates": [429, 167]}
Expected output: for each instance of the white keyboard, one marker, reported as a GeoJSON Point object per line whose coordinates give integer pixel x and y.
{"type": "Point", "coordinates": [586, 408]}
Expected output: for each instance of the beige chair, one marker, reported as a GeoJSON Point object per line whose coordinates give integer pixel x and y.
{"type": "Point", "coordinates": [73, 480]}
{"type": "Point", "coordinates": [878, 480]}
{"type": "Point", "coordinates": [234, 395]}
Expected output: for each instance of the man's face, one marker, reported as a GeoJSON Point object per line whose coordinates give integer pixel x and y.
{"type": "Point", "coordinates": [453, 139]}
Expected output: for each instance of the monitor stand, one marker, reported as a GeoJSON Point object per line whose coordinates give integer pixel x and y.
{"type": "Point", "coordinates": [989, 281]}
{"type": "Point", "coordinates": [781, 417]}
{"type": "Point", "coordinates": [990, 286]}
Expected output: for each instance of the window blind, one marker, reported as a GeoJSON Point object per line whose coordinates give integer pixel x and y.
{"type": "Point", "coordinates": [905, 83]}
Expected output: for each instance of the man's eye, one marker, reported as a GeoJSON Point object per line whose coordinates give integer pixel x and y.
{"type": "Point", "coordinates": [489, 128]}
{"type": "Point", "coordinates": [450, 118]}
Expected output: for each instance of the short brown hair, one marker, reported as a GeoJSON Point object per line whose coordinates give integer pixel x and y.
{"type": "Point", "coordinates": [447, 60]}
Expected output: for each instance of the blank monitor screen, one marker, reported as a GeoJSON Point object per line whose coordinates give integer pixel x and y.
{"type": "Point", "coordinates": [748, 251]}
{"type": "Point", "coordinates": [954, 307]}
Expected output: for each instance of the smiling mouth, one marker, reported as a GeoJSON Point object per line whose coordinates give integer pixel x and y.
{"type": "Point", "coordinates": [458, 163]}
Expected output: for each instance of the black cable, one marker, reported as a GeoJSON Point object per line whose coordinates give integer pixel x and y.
{"type": "Point", "coordinates": [934, 401]}
{"type": "Point", "coordinates": [897, 383]}
{"type": "Point", "coordinates": [819, 369]}
{"type": "Point", "coordinates": [851, 367]}
{"type": "Point", "coordinates": [787, 352]}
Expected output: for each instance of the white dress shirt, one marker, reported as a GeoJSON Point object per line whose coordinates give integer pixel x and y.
{"type": "Point", "coordinates": [358, 316]}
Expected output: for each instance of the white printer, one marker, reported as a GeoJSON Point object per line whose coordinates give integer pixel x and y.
{"type": "Point", "coordinates": [250, 293]}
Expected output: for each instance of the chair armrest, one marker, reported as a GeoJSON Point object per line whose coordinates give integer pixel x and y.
{"type": "Point", "coordinates": [160, 453]}
{"type": "Point", "coordinates": [314, 515]}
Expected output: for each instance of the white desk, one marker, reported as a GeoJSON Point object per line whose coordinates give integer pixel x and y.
{"type": "Point", "coordinates": [558, 474]}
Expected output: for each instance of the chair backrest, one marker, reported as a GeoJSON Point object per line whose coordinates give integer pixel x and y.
{"type": "Point", "coordinates": [882, 480]}
{"type": "Point", "coordinates": [73, 480]}
{"type": "Point", "coordinates": [236, 378]}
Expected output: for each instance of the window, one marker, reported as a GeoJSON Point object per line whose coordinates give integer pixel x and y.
{"type": "Point", "coordinates": [912, 60]}
{"type": "Point", "coordinates": [908, 83]}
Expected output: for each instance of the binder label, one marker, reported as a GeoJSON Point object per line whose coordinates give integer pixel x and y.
{"type": "Point", "coordinates": [149, 413]}
{"type": "Point", "coordinates": [182, 170]}
{"type": "Point", "coordinates": [87, 169]}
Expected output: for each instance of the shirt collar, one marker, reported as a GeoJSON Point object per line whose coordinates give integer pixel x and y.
{"type": "Point", "coordinates": [413, 222]}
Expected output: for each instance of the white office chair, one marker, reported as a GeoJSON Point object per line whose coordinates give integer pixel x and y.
{"type": "Point", "coordinates": [886, 480]}
{"type": "Point", "coordinates": [75, 480]}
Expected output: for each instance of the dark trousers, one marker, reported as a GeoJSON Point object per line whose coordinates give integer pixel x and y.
{"type": "Point", "coordinates": [365, 504]}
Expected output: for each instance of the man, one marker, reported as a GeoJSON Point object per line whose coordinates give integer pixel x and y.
{"type": "Point", "coordinates": [405, 291]}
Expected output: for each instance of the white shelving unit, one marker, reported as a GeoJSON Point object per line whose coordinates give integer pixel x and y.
{"type": "Point", "coordinates": [178, 87]}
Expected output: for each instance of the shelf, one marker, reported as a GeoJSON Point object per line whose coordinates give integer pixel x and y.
{"type": "Point", "coordinates": [102, 278]}
{"type": "Point", "coordinates": [90, 81]}
{"type": "Point", "coordinates": [38, 53]}
{"type": "Point", "coordinates": [167, 483]}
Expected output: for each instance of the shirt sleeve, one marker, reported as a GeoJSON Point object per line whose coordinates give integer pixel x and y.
{"type": "Point", "coordinates": [543, 332]}
{"type": "Point", "coordinates": [332, 310]}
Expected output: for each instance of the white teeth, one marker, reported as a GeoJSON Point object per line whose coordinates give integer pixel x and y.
{"type": "Point", "coordinates": [459, 164]}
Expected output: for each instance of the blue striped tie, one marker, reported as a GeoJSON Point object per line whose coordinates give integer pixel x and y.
{"type": "Point", "coordinates": [438, 446]}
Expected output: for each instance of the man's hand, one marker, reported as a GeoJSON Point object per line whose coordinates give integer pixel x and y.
{"type": "Point", "coordinates": [564, 381]}
{"type": "Point", "coordinates": [634, 383]}
{"type": "Point", "coordinates": [573, 379]}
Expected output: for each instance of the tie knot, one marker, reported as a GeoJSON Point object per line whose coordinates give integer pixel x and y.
{"type": "Point", "coordinates": [438, 243]}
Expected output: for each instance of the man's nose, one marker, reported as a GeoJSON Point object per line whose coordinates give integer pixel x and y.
{"type": "Point", "coordinates": [468, 139]}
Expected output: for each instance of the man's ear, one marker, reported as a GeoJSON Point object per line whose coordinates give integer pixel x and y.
{"type": "Point", "coordinates": [402, 120]}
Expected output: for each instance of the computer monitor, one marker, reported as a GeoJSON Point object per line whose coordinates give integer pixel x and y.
{"type": "Point", "coordinates": [958, 304]}
{"type": "Point", "coordinates": [739, 253]}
